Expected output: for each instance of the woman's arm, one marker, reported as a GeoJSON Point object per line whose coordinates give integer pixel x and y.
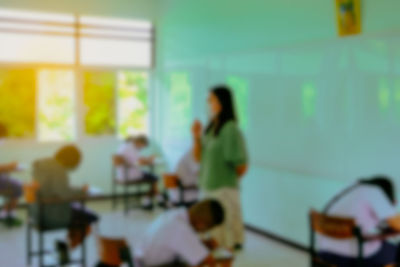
{"type": "Point", "coordinates": [241, 170]}
{"type": "Point", "coordinates": [209, 261]}
{"type": "Point", "coordinates": [394, 222]}
{"type": "Point", "coordinates": [197, 129]}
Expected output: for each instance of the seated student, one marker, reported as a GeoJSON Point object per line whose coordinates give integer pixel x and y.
{"type": "Point", "coordinates": [151, 156]}
{"type": "Point", "coordinates": [52, 176]}
{"type": "Point", "coordinates": [172, 239]}
{"type": "Point", "coordinates": [10, 188]}
{"type": "Point", "coordinates": [131, 154]}
{"type": "Point", "coordinates": [188, 174]}
{"type": "Point", "coordinates": [371, 203]}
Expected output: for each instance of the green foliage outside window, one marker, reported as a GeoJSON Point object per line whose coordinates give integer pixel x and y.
{"type": "Point", "coordinates": [56, 105]}
{"type": "Point", "coordinates": [99, 99]}
{"type": "Point", "coordinates": [180, 104]}
{"type": "Point", "coordinates": [132, 103]}
{"type": "Point", "coordinates": [240, 89]}
{"type": "Point", "coordinates": [309, 100]}
{"type": "Point", "coordinates": [17, 102]}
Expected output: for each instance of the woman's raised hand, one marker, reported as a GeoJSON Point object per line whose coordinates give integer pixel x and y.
{"type": "Point", "coordinates": [197, 129]}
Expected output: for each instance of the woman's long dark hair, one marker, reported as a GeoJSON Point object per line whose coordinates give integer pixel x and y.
{"type": "Point", "coordinates": [224, 95]}
{"type": "Point", "coordinates": [384, 183]}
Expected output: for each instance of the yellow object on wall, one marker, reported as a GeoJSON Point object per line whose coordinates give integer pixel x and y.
{"type": "Point", "coordinates": [348, 13]}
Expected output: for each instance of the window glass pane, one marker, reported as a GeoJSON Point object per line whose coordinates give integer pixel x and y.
{"type": "Point", "coordinates": [99, 99]}
{"type": "Point", "coordinates": [56, 105]}
{"type": "Point", "coordinates": [240, 89]}
{"type": "Point", "coordinates": [96, 51]}
{"type": "Point", "coordinates": [28, 48]}
{"type": "Point", "coordinates": [180, 105]}
{"type": "Point", "coordinates": [133, 107]}
{"type": "Point", "coordinates": [17, 102]}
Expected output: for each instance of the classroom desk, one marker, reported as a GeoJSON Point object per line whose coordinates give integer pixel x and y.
{"type": "Point", "coordinates": [383, 235]}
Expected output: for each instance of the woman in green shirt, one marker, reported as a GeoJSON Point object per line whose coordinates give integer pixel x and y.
{"type": "Point", "coordinates": [222, 154]}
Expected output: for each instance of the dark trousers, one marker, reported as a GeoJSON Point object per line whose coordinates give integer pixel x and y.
{"type": "Point", "coordinates": [388, 254]}
{"type": "Point", "coordinates": [82, 216]}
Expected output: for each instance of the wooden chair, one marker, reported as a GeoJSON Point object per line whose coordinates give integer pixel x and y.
{"type": "Point", "coordinates": [336, 228]}
{"type": "Point", "coordinates": [172, 181]}
{"type": "Point", "coordinates": [126, 183]}
{"type": "Point", "coordinates": [37, 222]}
{"type": "Point", "coordinates": [114, 252]}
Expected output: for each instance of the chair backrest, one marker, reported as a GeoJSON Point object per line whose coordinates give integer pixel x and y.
{"type": "Point", "coordinates": [30, 191]}
{"type": "Point", "coordinates": [110, 250]}
{"type": "Point", "coordinates": [333, 227]}
{"type": "Point", "coordinates": [336, 228]}
{"type": "Point", "coordinates": [171, 180]}
{"type": "Point", "coordinates": [46, 213]}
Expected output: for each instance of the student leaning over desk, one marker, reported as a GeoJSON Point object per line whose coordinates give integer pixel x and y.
{"type": "Point", "coordinates": [223, 158]}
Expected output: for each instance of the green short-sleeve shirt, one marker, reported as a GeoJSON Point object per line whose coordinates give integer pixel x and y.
{"type": "Point", "coordinates": [221, 155]}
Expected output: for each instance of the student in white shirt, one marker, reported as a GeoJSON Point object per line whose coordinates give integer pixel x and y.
{"type": "Point", "coordinates": [371, 203]}
{"type": "Point", "coordinates": [151, 156]}
{"type": "Point", "coordinates": [172, 239]}
{"type": "Point", "coordinates": [188, 173]}
{"type": "Point", "coordinates": [133, 172]}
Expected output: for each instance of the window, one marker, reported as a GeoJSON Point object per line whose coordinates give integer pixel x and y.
{"type": "Point", "coordinates": [56, 105]}
{"type": "Point", "coordinates": [180, 103]}
{"type": "Point", "coordinates": [115, 42]}
{"type": "Point", "coordinates": [132, 103]}
{"type": "Point", "coordinates": [309, 100]}
{"type": "Point", "coordinates": [240, 89]}
{"type": "Point", "coordinates": [50, 50]}
{"type": "Point", "coordinates": [28, 37]}
{"type": "Point", "coordinates": [17, 101]}
{"type": "Point", "coordinates": [99, 99]}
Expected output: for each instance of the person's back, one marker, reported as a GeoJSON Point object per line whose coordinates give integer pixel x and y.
{"type": "Point", "coordinates": [131, 156]}
{"type": "Point", "coordinates": [53, 180]}
{"type": "Point", "coordinates": [169, 237]}
{"type": "Point", "coordinates": [188, 170]}
{"type": "Point", "coordinates": [369, 206]}
{"type": "Point", "coordinates": [173, 237]}
{"type": "Point", "coordinates": [54, 186]}
{"type": "Point", "coordinates": [188, 174]}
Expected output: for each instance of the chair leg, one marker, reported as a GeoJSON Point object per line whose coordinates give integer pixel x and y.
{"type": "Point", "coordinates": [41, 249]}
{"type": "Point", "coordinates": [126, 199]}
{"type": "Point", "coordinates": [114, 196]}
{"type": "Point", "coordinates": [28, 244]}
{"type": "Point", "coordinates": [83, 251]}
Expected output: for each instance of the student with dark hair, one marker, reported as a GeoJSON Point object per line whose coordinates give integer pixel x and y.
{"type": "Point", "coordinates": [10, 188]}
{"type": "Point", "coordinates": [223, 158]}
{"type": "Point", "coordinates": [172, 239]}
{"type": "Point", "coordinates": [151, 155]}
{"type": "Point", "coordinates": [372, 203]}
{"type": "Point", "coordinates": [52, 176]}
{"type": "Point", "coordinates": [130, 152]}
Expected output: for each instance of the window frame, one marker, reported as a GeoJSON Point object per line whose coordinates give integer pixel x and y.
{"type": "Point", "coordinates": [79, 70]}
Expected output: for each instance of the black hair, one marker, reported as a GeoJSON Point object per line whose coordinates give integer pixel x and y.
{"type": "Point", "coordinates": [384, 183]}
{"type": "Point", "coordinates": [217, 212]}
{"type": "Point", "coordinates": [224, 95]}
{"type": "Point", "coordinates": [142, 139]}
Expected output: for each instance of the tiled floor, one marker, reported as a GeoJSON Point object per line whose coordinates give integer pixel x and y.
{"type": "Point", "coordinates": [259, 252]}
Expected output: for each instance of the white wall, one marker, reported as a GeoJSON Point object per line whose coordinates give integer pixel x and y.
{"type": "Point", "coordinates": [321, 110]}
